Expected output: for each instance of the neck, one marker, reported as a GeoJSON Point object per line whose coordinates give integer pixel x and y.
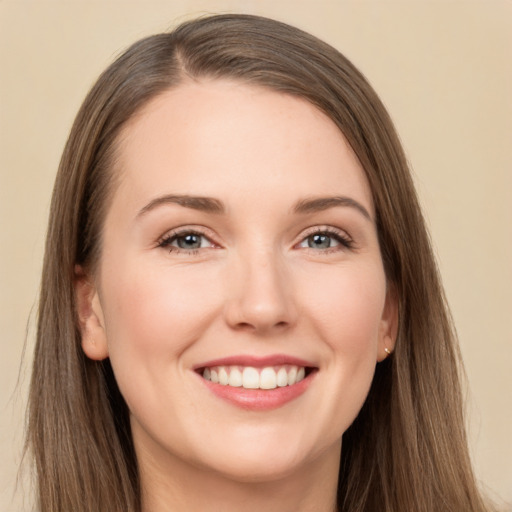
{"type": "Point", "coordinates": [175, 485]}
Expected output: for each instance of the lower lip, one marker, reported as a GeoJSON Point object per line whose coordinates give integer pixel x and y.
{"type": "Point", "coordinates": [259, 399]}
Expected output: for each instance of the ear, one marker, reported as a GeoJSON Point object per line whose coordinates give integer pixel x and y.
{"type": "Point", "coordinates": [90, 316]}
{"type": "Point", "coordinates": [388, 329]}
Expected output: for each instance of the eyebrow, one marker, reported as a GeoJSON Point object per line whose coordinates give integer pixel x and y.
{"type": "Point", "coordinates": [212, 205]}
{"type": "Point", "coordinates": [319, 204]}
{"type": "Point", "coordinates": [204, 204]}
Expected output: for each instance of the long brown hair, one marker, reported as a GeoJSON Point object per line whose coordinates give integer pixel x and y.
{"type": "Point", "coordinates": [407, 449]}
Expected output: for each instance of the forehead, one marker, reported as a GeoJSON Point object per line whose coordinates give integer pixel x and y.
{"type": "Point", "coordinates": [216, 136]}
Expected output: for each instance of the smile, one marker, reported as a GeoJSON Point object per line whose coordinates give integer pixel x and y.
{"type": "Point", "coordinates": [249, 377]}
{"type": "Point", "coordinates": [257, 383]}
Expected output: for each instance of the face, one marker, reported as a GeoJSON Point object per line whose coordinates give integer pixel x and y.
{"type": "Point", "coordinates": [240, 295]}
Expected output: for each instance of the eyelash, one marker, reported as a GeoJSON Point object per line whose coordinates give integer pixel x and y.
{"type": "Point", "coordinates": [344, 240]}
{"type": "Point", "coordinates": [169, 238]}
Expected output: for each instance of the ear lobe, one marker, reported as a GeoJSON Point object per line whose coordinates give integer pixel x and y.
{"type": "Point", "coordinates": [90, 316]}
{"type": "Point", "coordinates": [389, 324]}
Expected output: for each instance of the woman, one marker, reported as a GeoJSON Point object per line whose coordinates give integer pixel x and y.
{"type": "Point", "coordinates": [240, 307]}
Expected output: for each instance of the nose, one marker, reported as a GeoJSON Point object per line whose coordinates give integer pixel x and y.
{"type": "Point", "coordinates": [260, 295]}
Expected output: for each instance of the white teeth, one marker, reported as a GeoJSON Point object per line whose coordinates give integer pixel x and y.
{"type": "Point", "coordinates": [223, 376]}
{"type": "Point", "coordinates": [253, 378]}
{"type": "Point", "coordinates": [282, 378]}
{"type": "Point", "coordinates": [268, 378]}
{"type": "Point", "coordinates": [235, 378]}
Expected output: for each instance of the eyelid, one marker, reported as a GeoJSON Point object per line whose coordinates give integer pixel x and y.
{"type": "Point", "coordinates": [344, 239]}
{"type": "Point", "coordinates": [184, 230]}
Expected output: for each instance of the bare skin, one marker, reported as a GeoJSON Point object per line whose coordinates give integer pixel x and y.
{"type": "Point", "coordinates": [242, 228]}
{"type": "Point", "coordinates": [313, 490]}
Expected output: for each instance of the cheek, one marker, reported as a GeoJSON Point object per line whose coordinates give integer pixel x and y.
{"type": "Point", "coordinates": [154, 315]}
{"type": "Point", "coordinates": [347, 306]}
{"type": "Point", "coordinates": [155, 312]}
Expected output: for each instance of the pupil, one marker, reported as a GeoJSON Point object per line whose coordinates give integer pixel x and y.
{"type": "Point", "coordinates": [189, 242]}
{"type": "Point", "coordinates": [319, 241]}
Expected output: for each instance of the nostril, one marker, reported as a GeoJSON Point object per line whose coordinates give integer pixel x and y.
{"type": "Point", "coordinates": [260, 326]}
{"type": "Point", "coordinates": [244, 326]}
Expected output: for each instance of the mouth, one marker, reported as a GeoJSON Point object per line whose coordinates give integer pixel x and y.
{"type": "Point", "coordinates": [257, 383]}
{"type": "Point", "coordinates": [251, 377]}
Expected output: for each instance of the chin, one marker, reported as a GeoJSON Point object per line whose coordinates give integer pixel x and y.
{"type": "Point", "coordinates": [245, 468]}
{"type": "Point", "coordinates": [265, 456]}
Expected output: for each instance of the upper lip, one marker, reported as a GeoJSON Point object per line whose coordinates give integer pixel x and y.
{"type": "Point", "coordinates": [256, 361]}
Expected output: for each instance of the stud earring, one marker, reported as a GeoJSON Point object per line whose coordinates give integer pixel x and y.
{"type": "Point", "coordinates": [388, 352]}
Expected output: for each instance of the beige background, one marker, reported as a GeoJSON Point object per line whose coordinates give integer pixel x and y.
{"type": "Point", "coordinates": [444, 70]}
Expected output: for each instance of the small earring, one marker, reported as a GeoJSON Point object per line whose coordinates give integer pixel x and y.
{"type": "Point", "coordinates": [388, 352]}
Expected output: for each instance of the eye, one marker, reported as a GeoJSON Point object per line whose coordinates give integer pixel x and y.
{"type": "Point", "coordinates": [325, 239]}
{"type": "Point", "coordinates": [185, 241]}
{"type": "Point", "coordinates": [320, 241]}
